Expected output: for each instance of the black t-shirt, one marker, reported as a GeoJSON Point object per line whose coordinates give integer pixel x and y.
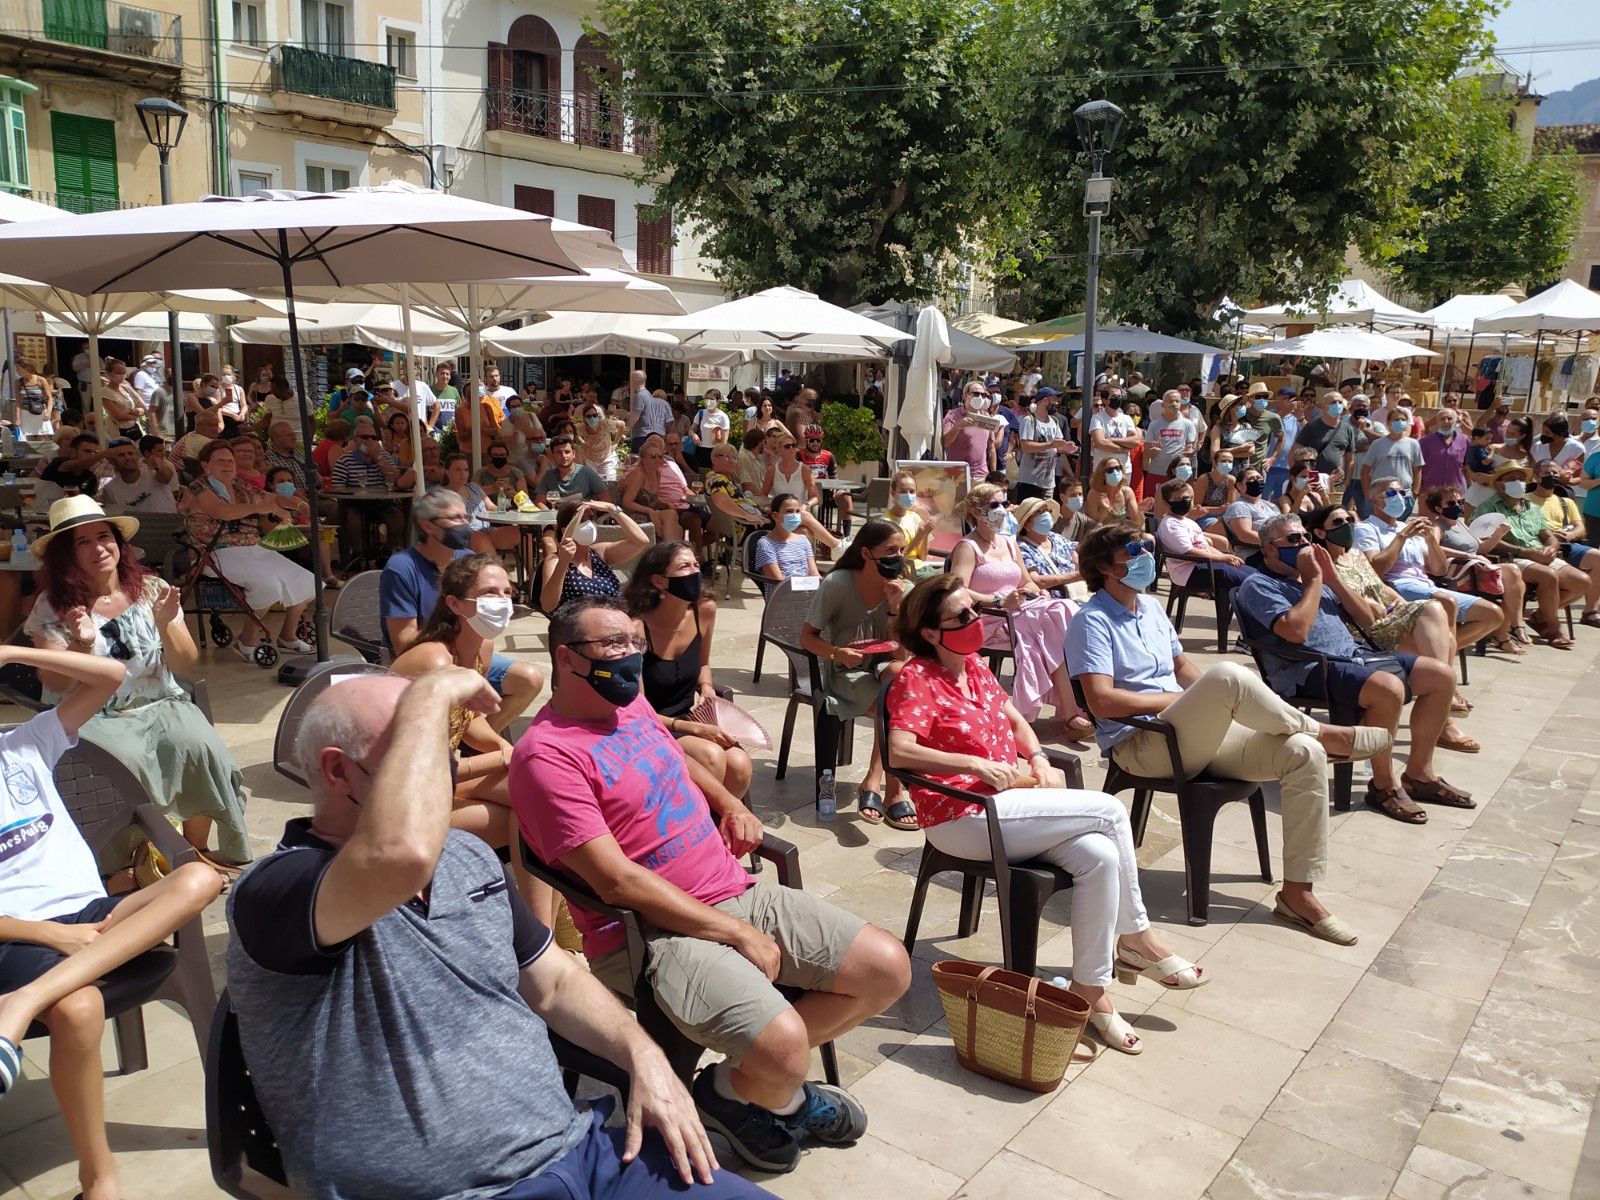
{"type": "Point", "coordinates": [55, 471]}
{"type": "Point", "coordinates": [1331, 442]}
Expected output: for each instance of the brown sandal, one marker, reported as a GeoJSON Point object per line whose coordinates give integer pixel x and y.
{"type": "Point", "coordinates": [1454, 739]}
{"type": "Point", "coordinates": [1392, 802]}
{"type": "Point", "coordinates": [1437, 791]}
{"type": "Point", "coordinates": [1507, 645]}
{"type": "Point", "coordinates": [1553, 637]}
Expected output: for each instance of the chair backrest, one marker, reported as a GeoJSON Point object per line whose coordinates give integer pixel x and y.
{"type": "Point", "coordinates": [158, 536]}
{"type": "Point", "coordinates": [100, 792]}
{"type": "Point", "coordinates": [237, 1134]}
{"type": "Point", "coordinates": [877, 494]}
{"type": "Point", "coordinates": [19, 683]}
{"type": "Point", "coordinates": [356, 620]}
{"type": "Point", "coordinates": [781, 621]}
{"type": "Point", "coordinates": [321, 677]}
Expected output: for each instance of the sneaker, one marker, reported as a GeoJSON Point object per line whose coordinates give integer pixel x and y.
{"type": "Point", "coordinates": [759, 1137]}
{"type": "Point", "coordinates": [830, 1115]}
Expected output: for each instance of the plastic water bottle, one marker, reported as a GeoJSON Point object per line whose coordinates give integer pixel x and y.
{"type": "Point", "coordinates": [17, 441]}
{"type": "Point", "coordinates": [1059, 981]}
{"type": "Point", "coordinates": [827, 797]}
{"type": "Point", "coordinates": [19, 543]}
{"type": "Point", "coordinates": [10, 477]}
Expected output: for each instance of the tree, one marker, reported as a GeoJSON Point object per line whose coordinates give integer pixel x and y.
{"type": "Point", "coordinates": [840, 147]}
{"type": "Point", "coordinates": [1495, 216]}
{"type": "Point", "coordinates": [1263, 139]}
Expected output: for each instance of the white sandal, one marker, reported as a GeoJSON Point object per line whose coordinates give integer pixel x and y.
{"type": "Point", "coordinates": [1131, 964]}
{"type": "Point", "coordinates": [1115, 1032]}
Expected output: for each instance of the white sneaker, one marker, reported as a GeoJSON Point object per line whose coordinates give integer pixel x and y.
{"type": "Point", "coordinates": [296, 645]}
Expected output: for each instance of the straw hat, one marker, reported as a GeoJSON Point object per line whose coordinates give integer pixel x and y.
{"type": "Point", "coordinates": [1031, 507]}
{"type": "Point", "coordinates": [71, 511]}
{"type": "Point", "coordinates": [1500, 472]}
{"type": "Point", "coordinates": [1259, 389]}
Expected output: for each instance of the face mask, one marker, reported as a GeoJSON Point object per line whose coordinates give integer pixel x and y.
{"type": "Point", "coordinates": [1074, 503]}
{"type": "Point", "coordinates": [492, 616]}
{"type": "Point", "coordinates": [1336, 409]}
{"type": "Point", "coordinates": [906, 499]}
{"type": "Point", "coordinates": [1141, 572]}
{"type": "Point", "coordinates": [1395, 506]}
{"type": "Point", "coordinates": [995, 516]}
{"type": "Point", "coordinates": [1516, 489]}
{"type": "Point", "coordinates": [1589, 425]}
{"type": "Point", "coordinates": [1454, 511]}
{"type": "Point", "coordinates": [586, 534]}
{"type": "Point", "coordinates": [220, 488]}
{"type": "Point", "coordinates": [1398, 428]}
{"type": "Point", "coordinates": [1224, 468]}
{"type": "Point", "coordinates": [1180, 508]}
{"type": "Point", "coordinates": [750, 413]}
{"type": "Point", "coordinates": [1042, 524]}
{"type": "Point", "coordinates": [1447, 432]}
{"type": "Point", "coordinates": [456, 537]}
{"type": "Point", "coordinates": [1184, 473]}
{"type": "Point", "coordinates": [1548, 483]}
{"type": "Point", "coordinates": [891, 565]}
{"type": "Point", "coordinates": [979, 403]}
{"type": "Point", "coordinates": [497, 461]}
{"type": "Point", "coordinates": [1253, 488]}
{"type": "Point", "coordinates": [791, 521]}
{"type": "Point", "coordinates": [1259, 404]}
{"type": "Point", "coordinates": [684, 587]}
{"type": "Point", "coordinates": [1343, 537]}
{"type": "Point", "coordinates": [616, 680]}
{"type": "Point", "coordinates": [536, 447]}
{"type": "Point", "coordinates": [592, 422]}
{"type": "Point", "coordinates": [963, 641]}
{"type": "Point", "coordinates": [1298, 482]}
{"type": "Point", "coordinates": [1113, 477]}
{"type": "Point", "coordinates": [284, 488]}
{"type": "Point", "coordinates": [711, 403]}
{"type": "Point", "coordinates": [1239, 412]}
{"type": "Point", "coordinates": [1288, 555]}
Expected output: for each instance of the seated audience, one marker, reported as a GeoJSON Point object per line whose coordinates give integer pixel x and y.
{"type": "Point", "coordinates": [247, 455]}
{"type": "Point", "coordinates": [1182, 540]}
{"type": "Point", "coordinates": [1527, 534]}
{"type": "Point", "coordinates": [575, 562]}
{"type": "Point", "coordinates": [1243, 517]}
{"type": "Point", "coordinates": [822, 465]}
{"type": "Point", "coordinates": [499, 479]}
{"type": "Point", "coordinates": [141, 479]}
{"type": "Point", "coordinates": [73, 464]}
{"type": "Point", "coordinates": [915, 519]}
{"type": "Point", "coordinates": [1049, 558]}
{"type": "Point", "coordinates": [1446, 508]}
{"type": "Point", "coordinates": [337, 441]}
{"type": "Point", "coordinates": [567, 477]}
{"type": "Point", "coordinates": [654, 490]}
{"type": "Point", "coordinates": [784, 551]}
{"type": "Point", "coordinates": [1074, 524]}
{"type": "Point", "coordinates": [1110, 498]}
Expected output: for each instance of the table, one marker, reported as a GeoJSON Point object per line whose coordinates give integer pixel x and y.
{"type": "Point", "coordinates": [828, 487]}
{"type": "Point", "coordinates": [363, 499]}
{"type": "Point", "coordinates": [529, 547]}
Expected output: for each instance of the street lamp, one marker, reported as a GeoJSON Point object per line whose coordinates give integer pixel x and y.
{"type": "Point", "coordinates": [163, 121]}
{"type": "Point", "coordinates": [1099, 123]}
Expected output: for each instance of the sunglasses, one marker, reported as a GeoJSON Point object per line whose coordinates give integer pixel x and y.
{"type": "Point", "coordinates": [963, 618]}
{"type": "Point", "coordinates": [366, 437]}
{"type": "Point", "coordinates": [1339, 524]}
{"type": "Point", "coordinates": [994, 504]}
{"type": "Point", "coordinates": [1293, 539]}
{"type": "Point", "coordinates": [1136, 548]}
{"type": "Point", "coordinates": [1391, 493]}
{"type": "Point", "coordinates": [115, 646]}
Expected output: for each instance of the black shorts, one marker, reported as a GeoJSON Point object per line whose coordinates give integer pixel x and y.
{"type": "Point", "coordinates": [1346, 679]}
{"type": "Point", "coordinates": [23, 962]}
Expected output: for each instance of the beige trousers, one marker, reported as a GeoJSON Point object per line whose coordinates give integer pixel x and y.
{"type": "Point", "coordinates": [1231, 723]}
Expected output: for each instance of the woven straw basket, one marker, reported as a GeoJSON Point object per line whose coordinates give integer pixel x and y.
{"type": "Point", "coordinates": [1009, 1026]}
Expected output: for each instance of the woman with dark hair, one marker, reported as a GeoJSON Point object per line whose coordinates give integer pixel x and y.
{"type": "Point", "coordinates": [575, 562]}
{"type": "Point", "coordinates": [97, 598]}
{"type": "Point", "coordinates": [857, 602]}
{"type": "Point", "coordinates": [950, 719]}
{"type": "Point", "coordinates": [677, 618]}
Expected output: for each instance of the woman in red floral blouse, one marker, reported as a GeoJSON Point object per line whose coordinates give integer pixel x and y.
{"type": "Point", "coordinates": [950, 719]}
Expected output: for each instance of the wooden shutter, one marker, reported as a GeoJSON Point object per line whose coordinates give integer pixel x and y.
{"type": "Point", "coordinates": [534, 200]}
{"type": "Point", "coordinates": [599, 212]}
{"type": "Point", "coordinates": [653, 251]}
{"type": "Point", "coordinates": [85, 150]}
{"type": "Point", "coordinates": [497, 111]}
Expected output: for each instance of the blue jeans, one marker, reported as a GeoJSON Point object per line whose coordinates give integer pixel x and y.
{"type": "Point", "coordinates": [594, 1170]}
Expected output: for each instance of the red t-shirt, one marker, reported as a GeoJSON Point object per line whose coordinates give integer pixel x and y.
{"type": "Point", "coordinates": [572, 782]}
{"type": "Point", "coordinates": [925, 701]}
{"type": "Point", "coordinates": [821, 463]}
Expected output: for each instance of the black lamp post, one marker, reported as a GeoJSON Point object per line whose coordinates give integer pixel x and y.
{"type": "Point", "coordinates": [163, 121]}
{"type": "Point", "coordinates": [1099, 124]}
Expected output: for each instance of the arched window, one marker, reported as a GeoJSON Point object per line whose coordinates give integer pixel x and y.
{"type": "Point", "coordinates": [525, 79]}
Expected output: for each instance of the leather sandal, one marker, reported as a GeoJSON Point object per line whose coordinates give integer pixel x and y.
{"type": "Point", "coordinates": [1553, 637]}
{"type": "Point", "coordinates": [1454, 739]}
{"type": "Point", "coordinates": [1507, 645]}
{"type": "Point", "coordinates": [1392, 802]}
{"type": "Point", "coordinates": [870, 805]}
{"type": "Point", "coordinates": [1591, 619]}
{"type": "Point", "coordinates": [902, 815]}
{"type": "Point", "coordinates": [1437, 791]}
{"type": "Point", "coordinates": [1130, 965]}
{"type": "Point", "coordinates": [1115, 1032]}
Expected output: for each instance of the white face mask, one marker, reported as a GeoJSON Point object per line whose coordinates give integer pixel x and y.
{"type": "Point", "coordinates": [586, 534]}
{"type": "Point", "coordinates": [492, 617]}
{"type": "Point", "coordinates": [1516, 489]}
{"type": "Point", "coordinates": [979, 403]}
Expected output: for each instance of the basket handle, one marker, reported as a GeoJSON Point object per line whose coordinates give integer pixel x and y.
{"type": "Point", "coordinates": [972, 1004]}
{"type": "Point", "coordinates": [1030, 1024]}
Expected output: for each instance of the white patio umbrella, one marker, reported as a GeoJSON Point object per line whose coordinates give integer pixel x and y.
{"type": "Point", "coordinates": [1453, 318]}
{"type": "Point", "coordinates": [627, 334]}
{"type": "Point", "coordinates": [1346, 341]}
{"type": "Point", "coordinates": [1353, 302]}
{"type": "Point", "coordinates": [378, 325]}
{"type": "Point", "coordinates": [1568, 307]}
{"type": "Point", "coordinates": [915, 417]}
{"type": "Point", "coordinates": [19, 208]}
{"type": "Point", "coordinates": [287, 241]}
{"type": "Point", "coordinates": [1129, 339]}
{"type": "Point", "coordinates": [985, 325]}
{"type": "Point", "coordinates": [785, 323]}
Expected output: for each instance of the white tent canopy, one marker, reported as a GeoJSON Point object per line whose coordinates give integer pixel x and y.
{"type": "Point", "coordinates": [785, 323]}
{"type": "Point", "coordinates": [378, 325]}
{"type": "Point", "coordinates": [985, 325]}
{"type": "Point", "coordinates": [1353, 302]}
{"type": "Point", "coordinates": [1129, 339]}
{"type": "Point", "coordinates": [1346, 341]}
{"type": "Point", "coordinates": [627, 334]}
{"type": "Point", "coordinates": [1568, 307]}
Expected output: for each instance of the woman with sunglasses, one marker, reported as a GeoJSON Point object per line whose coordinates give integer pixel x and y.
{"type": "Point", "coordinates": [1110, 497]}
{"type": "Point", "coordinates": [989, 563]}
{"type": "Point", "coordinates": [1446, 508]}
{"type": "Point", "coordinates": [97, 598]}
{"type": "Point", "coordinates": [598, 439]}
{"type": "Point", "coordinates": [949, 719]}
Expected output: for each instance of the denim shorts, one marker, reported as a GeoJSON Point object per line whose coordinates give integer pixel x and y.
{"type": "Point", "coordinates": [1574, 552]}
{"type": "Point", "coordinates": [498, 666]}
{"type": "Point", "coordinates": [23, 962]}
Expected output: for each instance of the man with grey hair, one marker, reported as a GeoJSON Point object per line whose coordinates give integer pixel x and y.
{"type": "Point", "coordinates": [651, 414]}
{"type": "Point", "coordinates": [281, 442]}
{"type": "Point", "coordinates": [380, 956]}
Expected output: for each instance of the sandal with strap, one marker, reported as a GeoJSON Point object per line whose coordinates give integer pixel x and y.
{"type": "Point", "coordinates": [1392, 802]}
{"type": "Point", "coordinates": [1591, 619]}
{"type": "Point", "coordinates": [903, 815]}
{"type": "Point", "coordinates": [1115, 1032]}
{"type": "Point", "coordinates": [1507, 645]}
{"type": "Point", "coordinates": [1453, 739]}
{"type": "Point", "coordinates": [870, 805]}
{"type": "Point", "coordinates": [1329, 929]}
{"type": "Point", "coordinates": [1553, 637]}
{"type": "Point", "coordinates": [1130, 965]}
{"type": "Point", "coordinates": [1460, 704]}
{"type": "Point", "coordinates": [1437, 791]}
{"type": "Point", "coordinates": [10, 1064]}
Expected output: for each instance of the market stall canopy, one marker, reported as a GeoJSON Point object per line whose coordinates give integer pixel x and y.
{"type": "Point", "coordinates": [381, 326]}
{"type": "Point", "coordinates": [985, 325]}
{"type": "Point", "coordinates": [1353, 302]}
{"type": "Point", "coordinates": [785, 323]}
{"type": "Point", "coordinates": [1345, 341]}
{"type": "Point", "coordinates": [1568, 307]}
{"type": "Point", "coordinates": [627, 334]}
{"type": "Point", "coordinates": [966, 352]}
{"type": "Point", "coordinates": [1128, 339]}
{"type": "Point", "coordinates": [1043, 331]}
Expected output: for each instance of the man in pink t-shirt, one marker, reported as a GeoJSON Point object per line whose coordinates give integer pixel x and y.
{"type": "Point", "coordinates": [970, 435]}
{"type": "Point", "coordinates": [601, 790]}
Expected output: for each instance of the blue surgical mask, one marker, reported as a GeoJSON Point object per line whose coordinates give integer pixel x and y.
{"type": "Point", "coordinates": [592, 422]}
{"type": "Point", "coordinates": [1395, 506]}
{"type": "Point", "coordinates": [1074, 503]}
{"type": "Point", "coordinates": [1224, 468]}
{"type": "Point", "coordinates": [791, 521]}
{"type": "Point", "coordinates": [1288, 555]}
{"type": "Point", "coordinates": [1141, 572]}
{"type": "Point", "coordinates": [220, 488]}
{"type": "Point", "coordinates": [536, 447]}
{"type": "Point", "coordinates": [906, 499]}
{"type": "Point", "coordinates": [1239, 412]}
{"type": "Point", "coordinates": [750, 413]}
{"type": "Point", "coordinates": [1336, 409]}
{"type": "Point", "coordinates": [284, 487]}
{"type": "Point", "coordinates": [1259, 404]}
{"type": "Point", "coordinates": [1184, 471]}
{"type": "Point", "coordinates": [1589, 425]}
{"type": "Point", "coordinates": [1113, 477]}
{"type": "Point", "coordinates": [1399, 427]}
{"type": "Point", "coordinates": [1042, 524]}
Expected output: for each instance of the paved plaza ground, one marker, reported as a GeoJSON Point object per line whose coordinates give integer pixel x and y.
{"type": "Point", "coordinates": [1453, 1052]}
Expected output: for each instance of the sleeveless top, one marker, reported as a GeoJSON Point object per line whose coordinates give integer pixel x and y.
{"type": "Point", "coordinates": [602, 581]}
{"type": "Point", "coordinates": [461, 716]}
{"type": "Point", "coordinates": [793, 484]}
{"type": "Point", "coordinates": [670, 684]}
{"type": "Point", "coordinates": [993, 575]}
{"type": "Point", "coordinates": [1216, 492]}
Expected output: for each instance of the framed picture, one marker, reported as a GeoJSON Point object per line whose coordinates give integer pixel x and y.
{"type": "Point", "coordinates": [941, 487]}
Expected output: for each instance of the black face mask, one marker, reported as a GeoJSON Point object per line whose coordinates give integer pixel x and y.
{"type": "Point", "coordinates": [1253, 488]}
{"type": "Point", "coordinates": [615, 680]}
{"type": "Point", "coordinates": [890, 565]}
{"type": "Point", "coordinates": [1548, 483]}
{"type": "Point", "coordinates": [456, 537]}
{"type": "Point", "coordinates": [498, 462]}
{"type": "Point", "coordinates": [1180, 507]}
{"type": "Point", "coordinates": [1344, 536]}
{"type": "Point", "coordinates": [684, 587]}
{"type": "Point", "coordinates": [1454, 511]}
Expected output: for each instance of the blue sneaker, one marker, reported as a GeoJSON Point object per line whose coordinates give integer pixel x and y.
{"type": "Point", "coordinates": [830, 1115]}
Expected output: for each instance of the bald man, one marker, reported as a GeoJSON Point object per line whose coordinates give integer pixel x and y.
{"type": "Point", "coordinates": [379, 954]}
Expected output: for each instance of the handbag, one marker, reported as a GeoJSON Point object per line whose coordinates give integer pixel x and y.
{"type": "Point", "coordinates": [150, 866]}
{"type": "Point", "coordinates": [1008, 1026]}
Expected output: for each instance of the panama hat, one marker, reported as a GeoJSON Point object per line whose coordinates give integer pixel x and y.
{"type": "Point", "coordinates": [1500, 472]}
{"type": "Point", "coordinates": [1032, 507]}
{"type": "Point", "coordinates": [69, 512]}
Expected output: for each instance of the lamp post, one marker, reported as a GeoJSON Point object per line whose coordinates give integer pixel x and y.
{"type": "Point", "coordinates": [1099, 123]}
{"type": "Point", "coordinates": [163, 122]}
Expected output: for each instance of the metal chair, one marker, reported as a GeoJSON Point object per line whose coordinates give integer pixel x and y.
{"type": "Point", "coordinates": [1201, 796]}
{"type": "Point", "coordinates": [877, 496]}
{"type": "Point", "coordinates": [245, 1160]}
{"type": "Point", "coordinates": [318, 680]}
{"type": "Point", "coordinates": [356, 620]}
{"type": "Point", "coordinates": [1023, 888]}
{"type": "Point", "coordinates": [781, 622]}
{"type": "Point", "coordinates": [681, 1052]}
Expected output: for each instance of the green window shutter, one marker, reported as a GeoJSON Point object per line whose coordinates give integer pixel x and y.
{"type": "Point", "coordinates": [86, 162]}
{"type": "Point", "coordinates": [80, 22]}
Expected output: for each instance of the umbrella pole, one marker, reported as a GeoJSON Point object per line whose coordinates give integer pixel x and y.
{"type": "Point", "coordinates": [1468, 376]}
{"type": "Point", "coordinates": [95, 394]}
{"type": "Point", "coordinates": [473, 367]}
{"type": "Point", "coordinates": [417, 485]}
{"type": "Point", "coordinates": [308, 464]}
{"type": "Point", "coordinates": [1533, 379]}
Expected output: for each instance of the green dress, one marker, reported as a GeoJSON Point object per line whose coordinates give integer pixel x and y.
{"type": "Point", "coordinates": [1359, 576]}
{"type": "Point", "coordinates": [839, 615]}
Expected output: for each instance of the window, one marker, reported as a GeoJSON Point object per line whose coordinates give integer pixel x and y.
{"type": "Point", "coordinates": [249, 23]}
{"type": "Point", "coordinates": [1594, 277]}
{"type": "Point", "coordinates": [85, 151]}
{"type": "Point", "coordinates": [653, 250]}
{"type": "Point", "coordinates": [400, 49]}
{"type": "Point", "coordinates": [13, 141]}
{"type": "Point", "coordinates": [255, 181]}
{"type": "Point", "coordinates": [320, 178]}
{"type": "Point", "coordinates": [599, 212]}
{"type": "Point", "coordinates": [534, 199]}
{"type": "Point", "coordinates": [323, 26]}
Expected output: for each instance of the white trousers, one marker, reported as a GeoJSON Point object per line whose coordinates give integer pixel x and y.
{"type": "Point", "coordinates": [1085, 833]}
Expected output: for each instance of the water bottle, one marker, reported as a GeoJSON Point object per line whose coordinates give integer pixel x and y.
{"type": "Point", "coordinates": [17, 441]}
{"type": "Point", "coordinates": [19, 543]}
{"type": "Point", "coordinates": [827, 797]}
{"type": "Point", "coordinates": [10, 478]}
{"type": "Point", "coordinates": [1059, 982]}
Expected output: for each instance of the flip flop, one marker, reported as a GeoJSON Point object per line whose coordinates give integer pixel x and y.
{"type": "Point", "coordinates": [10, 1064]}
{"type": "Point", "coordinates": [903, 815]}
{"type": "Point", "coordinates": [870, 806]}
{"type": "Point", "coordinates": [1329, 929]}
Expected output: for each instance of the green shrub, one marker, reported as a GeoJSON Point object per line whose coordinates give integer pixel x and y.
{"type": "Point", "coordinates": [852, 434]}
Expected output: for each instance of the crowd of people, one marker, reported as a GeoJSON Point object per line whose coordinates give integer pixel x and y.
{"type": "Point", "coordinates": [1335, 526]}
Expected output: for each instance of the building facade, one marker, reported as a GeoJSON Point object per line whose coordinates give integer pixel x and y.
{"type": "Point", "coordinates": [1583, 259]}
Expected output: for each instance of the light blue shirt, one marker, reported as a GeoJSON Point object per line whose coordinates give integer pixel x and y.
{"type": "Point", "coordinates": [1138, 650]}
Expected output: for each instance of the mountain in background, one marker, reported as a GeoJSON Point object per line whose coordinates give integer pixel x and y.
{"type": "Point", "coordinates": [1575, 106]}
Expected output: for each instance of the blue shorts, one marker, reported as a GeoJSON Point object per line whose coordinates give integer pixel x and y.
{"type": "Point", "coordinates": [1574, 552]}
{"type": "Point", "coordinates": [498, 666]}
{"type": "Point", "coordinates": [23, 962]}
{"type": "Point", "coordinates": [1347, 677]}
{"type": "Point", "coordinates": [1412, 590]}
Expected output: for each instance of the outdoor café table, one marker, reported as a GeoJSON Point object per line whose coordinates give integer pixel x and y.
{"type": "Point", "coordinates": [528, 525]}
{"type": "Point", "coordinates": [368, 504]}
{"type": "Point", "coordinates": [828, 487]}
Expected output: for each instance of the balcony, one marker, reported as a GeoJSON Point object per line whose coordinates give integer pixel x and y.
{"type": "Point", "coordinates": [577, 120]}
{"type": "Point", "coordinates": [136, 45]}
{"type": "Point", "coordinates": [330, 87]}
{"type": "Point", "coordinates": [74, 203]}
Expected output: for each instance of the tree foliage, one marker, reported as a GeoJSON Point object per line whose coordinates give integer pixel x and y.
{"type": "Point", "coordinates": [840, 147]}
{"type": "Point", "coordinates": [1263, 139]}
{"type": "Point", "coordinates": [1494, 216]}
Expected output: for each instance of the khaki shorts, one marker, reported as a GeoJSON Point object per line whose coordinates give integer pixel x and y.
{"type": "Point", "coordinates": [717, 996]}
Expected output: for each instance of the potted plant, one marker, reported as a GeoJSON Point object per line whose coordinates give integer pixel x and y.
{"type": "Point", "coordinates": [853, 435]}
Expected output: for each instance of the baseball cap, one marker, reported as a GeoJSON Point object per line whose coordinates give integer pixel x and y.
{"type": "Point", "coordinates": [1046, 391]}
{"type": "Point", "coordinates": [1287, 391]}
{"type": "Point", "coordinates": [354, 373]}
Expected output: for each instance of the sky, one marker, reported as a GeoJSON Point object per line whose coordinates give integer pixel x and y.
{"type": "Point", "coordinates": [1525, 23]}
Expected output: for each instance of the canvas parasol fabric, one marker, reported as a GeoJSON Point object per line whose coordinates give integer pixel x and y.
{"type": "Point", "coordinates": [627, 334]}
{"type": "Point", "coordinates": [1346, 341]}
{"type": "Point", "coordinates": [1129, 339]}
{"type": "Point", "coordinates": [786, 323]}
{"type": "Point", "coordinates": [1353, 302]}
{"type": "Point", "coordinates": [1568, 307]}
{"type": "Point", "coordinates": [378, 325]}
